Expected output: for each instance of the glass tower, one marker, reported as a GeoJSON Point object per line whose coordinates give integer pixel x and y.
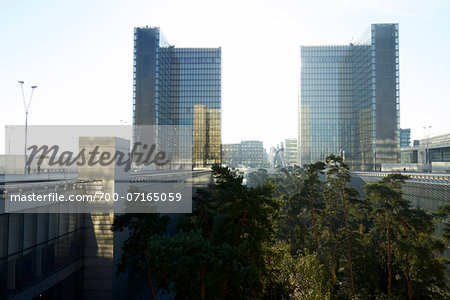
{"type": "Point", "coordinates": [179, 87]}
{"type": "Point", "coordinates": [350, 100]}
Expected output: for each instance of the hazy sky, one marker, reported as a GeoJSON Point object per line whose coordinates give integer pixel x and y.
{"type": "Point", "coordinates": [80, 54]}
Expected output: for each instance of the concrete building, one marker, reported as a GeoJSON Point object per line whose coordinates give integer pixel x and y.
{"type": "Point", "coordinates": [291, 152]}
{"type": "Point", "coordinates": [231, 154]}
{"type": "Point", "coordinates": [245, 154]}
{"type": "Point", "coordinates": [405, 137]}
{"type": "Point", "coordinates": [67, 250]}
{"type": "Point", "coordinates": [430, 154]}
{"type": "Point", "coordinates": [349, 103]}
{"type": "Point", "coordinates": [57, 250]}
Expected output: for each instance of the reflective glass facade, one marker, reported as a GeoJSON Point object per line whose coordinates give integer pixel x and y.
{"type": "Point", "coordinates": [34, 247]}
{"type": "Point", "coordinates": [350, 100]}
{"type": "Point", "coordinates": [326, 101]}
{"type": "Point", "coordinates": [179, 86]}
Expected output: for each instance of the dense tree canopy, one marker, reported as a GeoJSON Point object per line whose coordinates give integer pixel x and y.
{"type": "Point", "coordinates": [303, 233]}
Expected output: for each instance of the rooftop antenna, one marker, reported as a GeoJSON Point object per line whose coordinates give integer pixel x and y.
{"type": "Point", "coordinates": [27, 108]}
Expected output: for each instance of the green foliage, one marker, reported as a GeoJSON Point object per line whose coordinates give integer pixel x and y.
{"type": "Point", "coordinates": [352, 235]}
{"type": "Point", "coordinates": [220, 249]}
{"type": "Point", "coordinates": [141, 228]}
{"type": "Point", "coordinates": [443, 215]}
{"type": "Point", "coordinates": [187, 256]}
{"type": "Point", "coordinates": [295, 235]}
{"type": "Point", "coordinates": [257, 178]}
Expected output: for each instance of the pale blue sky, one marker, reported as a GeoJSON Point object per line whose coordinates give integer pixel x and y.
{"type": "Point", "coordinates": [79, 53]}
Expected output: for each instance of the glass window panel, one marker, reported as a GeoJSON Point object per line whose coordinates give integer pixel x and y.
{"type": "Point", "coordinates": [28, 266]}
{"type": "Point", "coordinates": [3, 235]}
{"type": "Point", "coordinates": [52, 256]}
{"type": "Point", "coordinates": [63, 223]}
{"type": "Point", "coordinates": [41, 260]}
{"type": "Point", "coordinates": [14, 282]}
{"type": "Point", "coordinates": [3, 274]}
{"type": "Point", "coordinates": [15, 233]}
{"type": "Point", "coordinates": [29, 232]}
{"type": "Point", "coordinates": [42, 227]}
{"type": "Point", "coordinates": [63, 251]}
{"type": "Point", "coordinates": [53, 225]}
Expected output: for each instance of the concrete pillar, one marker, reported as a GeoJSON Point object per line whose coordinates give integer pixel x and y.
{"type": "Point", "coordinates": [99, 269]}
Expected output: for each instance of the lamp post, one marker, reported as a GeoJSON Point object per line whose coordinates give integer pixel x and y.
{"type": "Point", "coordinates": [27, 108]}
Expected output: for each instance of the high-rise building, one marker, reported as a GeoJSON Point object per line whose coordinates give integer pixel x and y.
{"type": "Point", "coordinates": [178, 87]}
{"type": "Point", "coordinates": [350, 100]}
{"type": "Point", "coordinates": [405, 137]}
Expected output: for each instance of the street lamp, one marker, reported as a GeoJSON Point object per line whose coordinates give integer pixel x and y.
{"type": "Point", "coordinates": [27, 108]}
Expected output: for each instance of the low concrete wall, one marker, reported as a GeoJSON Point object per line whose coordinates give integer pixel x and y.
{"type": "Point", "coordinates": [440, 167]}
{"type": "Point", "coordinates": [404, 168]}
{"type": "Point", "coordinates": [12, 164]}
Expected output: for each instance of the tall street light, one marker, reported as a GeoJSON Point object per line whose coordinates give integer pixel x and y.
{"type": "Point", "coordinates": [27, 108]}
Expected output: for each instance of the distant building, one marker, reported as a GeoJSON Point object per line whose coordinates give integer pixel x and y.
{"type": "Point", "coordinates": [231, 154]}
{"type": "Point", "coordinates": [436, 148]}
{"type": "Point", "coordinates": [252, 153]}
{"type": "Point", "coordinates": [433, 152]}
{"type": "Point", "coordinates": [291, 152]}
{"type": "Point", "coordinates": [178, 87]}
{"type": "Point", "coordinates": [405, 137]}
{"type": "Point", "coordinates": [350, 100]}
{"type": "Point", "coordinates": [408, 156]}
{"type": "Point", "coordinates": [247, 153]}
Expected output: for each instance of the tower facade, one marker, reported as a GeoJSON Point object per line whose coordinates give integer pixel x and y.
{"type": "Point", "coordinates": [350, 100]}
{"type": "Point", "coordinates": [178, 87]}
